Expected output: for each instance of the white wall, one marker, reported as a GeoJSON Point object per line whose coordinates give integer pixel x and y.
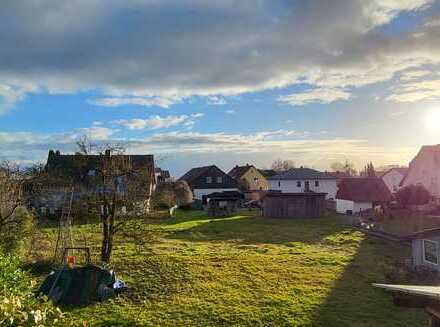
{"type": "Point", "coordinates": [392, 180]}
{"type": "Point", "coordinates": [342, 206]}
{"type": "Point", "coordinates": [200, 192]}
{"type": "Point", "coordinates": [328, 186]}
{"type": "Point", "coordinates": [358, 206]}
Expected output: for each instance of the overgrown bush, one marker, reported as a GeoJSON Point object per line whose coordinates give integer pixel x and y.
{"type": "Point", "coordinates": [18, 304]}
{"type": "Point", "coordinates": [16, 230]}
{"type": "Point", "coordinates": [413, 195]}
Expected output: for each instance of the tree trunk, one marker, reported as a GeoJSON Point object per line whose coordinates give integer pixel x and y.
{"type": "Point", "coordinates": [107, 240]}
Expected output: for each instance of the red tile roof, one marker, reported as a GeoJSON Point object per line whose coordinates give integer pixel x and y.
{"type": "Point", "coordinates": [363, 190]}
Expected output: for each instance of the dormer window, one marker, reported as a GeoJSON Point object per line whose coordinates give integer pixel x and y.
{"type": "Point", "coordinates": [219, 180]}
{"type": "Point", "coordinates": [208, 180]}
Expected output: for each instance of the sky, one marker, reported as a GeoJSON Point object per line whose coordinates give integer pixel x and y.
{"type": "Point", "coordinates": [221, 82]}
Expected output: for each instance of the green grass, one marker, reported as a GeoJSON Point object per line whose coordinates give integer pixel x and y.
{"type": "Point", "coordinates": [245, 271]}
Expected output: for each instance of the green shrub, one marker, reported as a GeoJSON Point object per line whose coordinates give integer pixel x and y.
{"type": "Point", "coordinates": [18, 304]}
{"type": "Point", "coordinates": [14, 234]}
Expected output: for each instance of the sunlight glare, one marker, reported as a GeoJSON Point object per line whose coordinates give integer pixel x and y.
{"type": "Point", "coordinates": [432, 121]}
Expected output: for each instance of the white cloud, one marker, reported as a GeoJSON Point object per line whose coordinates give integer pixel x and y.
{"type": "Point", "coordinates": [216, 100]}
{"type": "Point", "coordinates": [158, 122]}
{"type": "Point", "coordinates": [164, 102]}
{"type": "Point", "coordinates": [416, 86]}
{"type": "Point", "coordinates": [317, 95]}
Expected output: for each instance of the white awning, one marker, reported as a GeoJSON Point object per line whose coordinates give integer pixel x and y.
{"type": "Point", "coordinates": [427, 291]}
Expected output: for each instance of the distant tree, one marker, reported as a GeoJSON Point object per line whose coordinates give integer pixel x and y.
{"type": "Point", "coordinates": [282, 165]}
{"type": "Point", "coordinates": [413, 195]}
{"type": "Point", "coordinates": [369, 170]}
{"type": "Point", "coordinates": [346, 167]}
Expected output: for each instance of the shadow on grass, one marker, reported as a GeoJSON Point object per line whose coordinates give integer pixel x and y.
{"type": "Point", "coordinates": [38, 268]}
{"type": "Point", "coordinates": [352, 300]}
{"type": "Point", "coordinates": [255, 230]}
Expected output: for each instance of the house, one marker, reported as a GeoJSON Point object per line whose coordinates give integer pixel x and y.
{"type": "Point", "coordinates": [222, 204]}
{"type": "Point", "coordinates": [79, 170]}
{"type": "Point", "coordinates": [249, 178]}
{"type": "Point", "coordinates": [424, 169]}
{"type": "Point", "coordinates": [300, 180]}
{"type": "Point", "coordinates": [425, 247]}
{"type": "Point", "coordinates": [393, 177]}
{"type": "Point", "coordinates": [293, 205]}
{"type": "Point", "coordinates": [207, 180]}
{"type": "Point", "coordinates": [162, 176]}
{"type": "Point", "coordinates": [362, 193]}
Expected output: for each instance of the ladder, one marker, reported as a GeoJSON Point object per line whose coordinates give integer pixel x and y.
{"type": "Point", "coordinates": [64, 238]}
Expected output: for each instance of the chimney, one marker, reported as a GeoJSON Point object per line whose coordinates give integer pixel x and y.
{"type": "Point", "coordinates": [107, 153]}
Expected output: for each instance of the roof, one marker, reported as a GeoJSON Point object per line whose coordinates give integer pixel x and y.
{"type": "Point", "coordinates": [238, 171]}
{"type": "Point", "coordinates": [426, 153]}
{"type": "Point", "coordinates": [267, 172]}
{"type": "Point", "coordinates": [337, 174]}
{"type": "Point", "coordinates": [300, 173]}
{"type": "Point", "coordinates": [77, 165]}
{"type": "Point", "coordinates": [363, 189]}
{"type": "Point", "coordinates": [423, 234]}
{"type": "Point", "coordinates": [302, 194]}
{"type": "Point", "coordinates": [402, 170]}
{"type": "Point", "coordinates": [426, 291]}
{"type": "Point", "coordinates": [225, 195]}
{"type": "Point", "coordinates": [196, 178]}
{"type": "Point", "coordinates": [193, 173]}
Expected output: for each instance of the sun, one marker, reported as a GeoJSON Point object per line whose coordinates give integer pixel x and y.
{"type": "Point", "coordinates": [432, 121]}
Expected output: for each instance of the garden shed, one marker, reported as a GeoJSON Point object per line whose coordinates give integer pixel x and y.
{"type": "Point", "coordinates": [221, 204]}
{"type": "Point", "coordinates": [294, 205]}
{"type": "Point", "coordinates": [426, 248]}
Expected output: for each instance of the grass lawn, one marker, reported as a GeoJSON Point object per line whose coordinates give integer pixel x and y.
{"type": "Point", "coordinates": [244, 270]}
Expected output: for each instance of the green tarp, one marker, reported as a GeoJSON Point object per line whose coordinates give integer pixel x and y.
{"type": "Point", "coordinates": [79, 286]}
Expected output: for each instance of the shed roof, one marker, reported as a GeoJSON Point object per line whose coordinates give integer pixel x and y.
{"type": "Point", "coordinates": [421, 290]}
{"type": "Point", "coordinates": [364, 189]}
{"type": "Point", "coordinates": [433, 232]}
{"type": "Point", "coordinates": [300, 173]}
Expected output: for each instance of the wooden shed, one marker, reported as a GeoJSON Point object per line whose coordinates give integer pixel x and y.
{"type": "Point", "coordinates": [426, 248]}
{"type": "Point", "coordinates": [294, 205]}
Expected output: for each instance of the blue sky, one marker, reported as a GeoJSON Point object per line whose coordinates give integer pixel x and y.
{"type": "Point", "coordinates": [222, 83]}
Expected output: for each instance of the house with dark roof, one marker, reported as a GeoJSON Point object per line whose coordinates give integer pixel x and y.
{"type": "Point", "coordinates": [300, 180]}
{"type": "Point", "coordinates": [393, 177]}
{"type": "Point", "coordinates": [358, 194]}
{"type": "Point", "coordinates": [249, 178]}
{"type": "Point", "coordinates": [424, 169]}
{"type": "Point", "coordinates": [78, 171]}
{"type": "Point", "coordinates": [209, 179]}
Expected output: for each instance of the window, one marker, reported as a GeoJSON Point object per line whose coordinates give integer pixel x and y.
{"type": "Point", "coordinates": [208, 180]}
{"type": "Point", "coordinates": [430, 252]}
{"type": "Point", "coordinates": [219, 180]}
{"type": "Point", "coordinates": [316, 183]}
{"type": "Point", "coordinates": [298, 184]}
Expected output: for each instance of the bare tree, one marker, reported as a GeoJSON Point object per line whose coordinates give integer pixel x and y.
{"type": "Point", "coordinates": [15, 221]}
{"type": "Point", "coordinates": [282, 165]}
{"type": "Point", "coordinates": [346, 167]}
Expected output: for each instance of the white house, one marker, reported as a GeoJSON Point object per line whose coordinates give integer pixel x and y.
{"type": "Point", "coordinates": [424, 169]}
{"type": "Point", "coordinates": [393, 177]}
{"type": "Point", "coordinates": [359, 194]}
{"type": "Point", "coordinates": [300, 180]}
